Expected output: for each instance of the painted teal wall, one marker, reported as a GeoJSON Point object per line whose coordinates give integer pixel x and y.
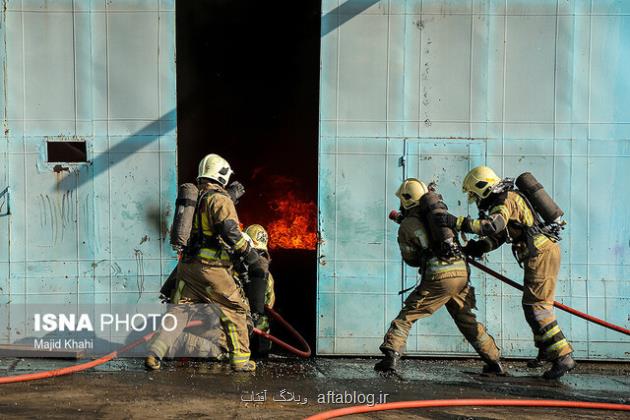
{"type": "Point", "coordinates": [103, 72]}
{"type": "Point", "coordinates": [433, 88]}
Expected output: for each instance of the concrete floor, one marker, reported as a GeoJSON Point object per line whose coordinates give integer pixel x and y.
{"type": "Point", "coordinates": [123, 389]}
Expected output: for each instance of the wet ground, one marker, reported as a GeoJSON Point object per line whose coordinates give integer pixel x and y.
{"type": "Point", "coordinates": [293, 389]}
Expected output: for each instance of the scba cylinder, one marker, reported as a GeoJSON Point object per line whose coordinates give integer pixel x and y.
{"type": "Point", "coordinates": [184, 214]}
{"type": "Point", "coordinates": [431, 204]}
{"type": "Point", "coordinates": [538, 197]}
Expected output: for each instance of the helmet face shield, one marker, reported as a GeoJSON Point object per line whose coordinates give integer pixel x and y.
{"type": "Point", "coordinates": [472, 197]}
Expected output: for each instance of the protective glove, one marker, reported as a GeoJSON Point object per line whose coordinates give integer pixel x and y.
{"type": "Point", "coordinates": [474, 249]}
{"type": "Point", "coordinates": [261, 321]}
{"type": "Point", "coordinates": [250, 323]}
{"type": "Point", "coordinates": [235, 190]}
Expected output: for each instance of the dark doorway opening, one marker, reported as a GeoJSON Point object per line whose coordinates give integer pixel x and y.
{"type": "Point", "coordinates": [248, 89]}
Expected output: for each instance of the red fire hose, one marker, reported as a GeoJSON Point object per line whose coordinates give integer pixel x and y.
{"type": "Point", "coordinates": [108, 357]}
{"type": "Point", "coordinates": [558, 305]}
{"type": "Point", "coordinates": [465, 403]}
{"type": "Point", "coordinates": [395, 216]}
{"type": "Point", "coordinates": [82, 366]}
{"type": "Point", "coordinates": [275, 315]}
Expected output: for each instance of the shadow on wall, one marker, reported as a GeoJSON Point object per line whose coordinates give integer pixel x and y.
{"type": "Point", "coordinates": [343, 13]}
{"type": "Point", "coordinates": [145, 136]}
{"type": "Point", "coordinates": [130, 145]}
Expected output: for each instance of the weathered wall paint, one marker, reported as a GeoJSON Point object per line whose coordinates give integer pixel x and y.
{"type": "Point", "coordinates": [102, 72]}
{"type": "Point", "coordinates": [431, 89]}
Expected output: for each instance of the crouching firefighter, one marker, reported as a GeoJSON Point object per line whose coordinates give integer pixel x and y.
{"type": "Point", "coordinates": [209, 340]}
{"type": "Point", "coordinates": [205, 280]}
{"type": "Point", "coordinates": [260, 291]}
{"type": "Point", "coordinates": [444, 279]}
{"type": "Point", "coordinates": [522, 213]}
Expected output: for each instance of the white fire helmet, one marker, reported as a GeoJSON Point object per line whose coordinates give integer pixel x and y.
{"type": "Point", "coordinates": [216, 168]}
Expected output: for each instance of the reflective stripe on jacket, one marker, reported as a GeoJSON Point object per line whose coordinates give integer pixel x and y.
{"type": "Point", "coordinates": [216, 207]}
{"type": "Point", "coordinates": [509, 213]}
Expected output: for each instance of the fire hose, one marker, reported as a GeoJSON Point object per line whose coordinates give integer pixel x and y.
{"type": "Point", "coordinates": [487, 402]}
{"type": "Point", "coordinates": [110, 356]}
{"type": "Point", "coordinates": [558, 305]}
{"type": "Point", "coordinates": [82, 366]}
{"type": "Point", "coordinates": [466, 403]}
{"type": "Point", "coordinates": [396, 217]}
{"type": "Point", "coordinates": [275, 315]}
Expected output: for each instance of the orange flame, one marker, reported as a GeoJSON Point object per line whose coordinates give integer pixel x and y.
{"type": "Point", "coordinates": [294, 224]}
{"type": "Point", "coordinates": [285, 210]}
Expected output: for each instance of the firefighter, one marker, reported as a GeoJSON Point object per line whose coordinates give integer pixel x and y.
{"type": "Point", "coordinates": [259, 298]}
{"type": "Point", "coordinates": [209, 340]}
{"type": "Point", "coordinates": [510, 218]}
{"type": "Point", "coordinates": [444, 282]}
{"type": "Point", "coordinates": [205, 274]}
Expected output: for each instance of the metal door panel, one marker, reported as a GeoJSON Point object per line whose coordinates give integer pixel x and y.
{"type": "Point", "coordinates": [524, 86]}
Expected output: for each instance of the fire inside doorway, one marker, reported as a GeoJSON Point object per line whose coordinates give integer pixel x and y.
{"type": "Point", "coordinates": [247, 87]}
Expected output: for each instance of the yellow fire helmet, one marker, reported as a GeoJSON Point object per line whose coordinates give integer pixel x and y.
{"type": "Point", "coordinates": [259, 236]}
{"type": "Point", "coordinates": [410, 192]}
{"type": "Point", "coordinates": [478, 183]}
{"type": "Point", "coordinates": [216, 168]}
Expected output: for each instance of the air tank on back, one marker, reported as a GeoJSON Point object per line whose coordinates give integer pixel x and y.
{"type": "Point", "coordinates": [431, 204]}
{"type": "Point", "coordinates": [538, 197]}
{"type": "Point", "coordinates": [184, 213]}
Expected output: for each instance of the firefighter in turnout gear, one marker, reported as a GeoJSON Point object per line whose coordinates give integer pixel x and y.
{"type": "Point", "coordinates": [508, 216]}
{"type": "Point", "coordinates": [260, 291]}
{"type": "Point", "coordinates": [209, 340]}
{"type": "Point", "coordinates": [444, 282]}
{"type": "Point", "coordinates": [205, 280]}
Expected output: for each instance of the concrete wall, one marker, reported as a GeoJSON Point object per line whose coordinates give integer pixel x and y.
{"type": "Point", "coordinates": [431, 89]}
{"type": "Point", "coordinates": [88, 233]}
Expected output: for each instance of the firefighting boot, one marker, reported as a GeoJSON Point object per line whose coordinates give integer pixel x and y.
{"type": "Point", "coordinates": [249, 366]}
{"type": "Point", "coordinates": [494, 367]}
{"type": "Point", "coordinates": [152, 362]}
{"type": "Point", "coordinates": [539, 361]}
{"type": "Point", "coordinates": [389, 363]}
{"type": "Point", "coordinates": [561, 365]}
